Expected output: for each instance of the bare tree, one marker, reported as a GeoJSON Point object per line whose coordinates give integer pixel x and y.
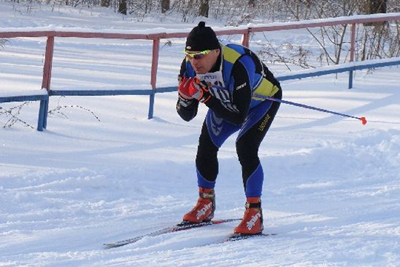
{"type": "Point", "coordinates": [122, 8]}
{"type": "Point", "coordinates": [204, 8]}
{"type": "Point", "coordinates": [376, 6]}
{"type": "Point", "coordinates": [373, 7]}
{"type": "Point", "coordinates": [165, 5]}
{"type": "Point", "coordinates": [252, 3]}
{"type": "Point", "coordinates": [3, 42]}
{"type": "Point", "coordinates": [105, 3]}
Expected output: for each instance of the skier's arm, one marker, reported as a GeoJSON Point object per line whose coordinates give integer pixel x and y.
{"type": "Point", "coordinates": [186, 108]}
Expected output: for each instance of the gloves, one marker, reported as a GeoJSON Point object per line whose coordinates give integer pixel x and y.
{"type": "Point", "coordinates": [193, 88]}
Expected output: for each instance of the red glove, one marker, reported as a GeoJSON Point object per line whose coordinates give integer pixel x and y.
{"type": "Point", "coordinates": [184, 88]}
{"type": "Point", "coordinates": [190, 88]}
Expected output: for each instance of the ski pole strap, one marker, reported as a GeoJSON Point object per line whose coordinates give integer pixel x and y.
{"type": "Point", "coordinates": [362, 119]}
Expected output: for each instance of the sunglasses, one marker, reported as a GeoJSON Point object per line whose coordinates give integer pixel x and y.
{"type": "Point", "coordinates": [197, 55]}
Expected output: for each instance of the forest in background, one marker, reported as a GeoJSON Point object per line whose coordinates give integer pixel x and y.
{"type": "Point", "coordinates": [378, 40]}
{"type": "Point", "coordinates": [234, 12]}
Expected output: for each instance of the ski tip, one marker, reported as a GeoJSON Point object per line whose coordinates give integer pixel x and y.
{"type": "Point", "coordinates": [117, 244]}
{"type": "Point", "coordinates": [108, 246]}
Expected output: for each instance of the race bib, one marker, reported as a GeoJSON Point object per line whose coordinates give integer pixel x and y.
{"type": "Point", "coordinates": [218, 89]}
{"type": "Point", "coordinates": [214, 78]}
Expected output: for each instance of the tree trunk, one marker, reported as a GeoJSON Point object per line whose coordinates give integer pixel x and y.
{"type": "Point", "coordinates": [165, 5]}
{"type": "Point", "coordinates": [122, 7]}
{"type": "Point", "coordinates": [204, 7]}
{"type": "Point", "coordinates": [373, 7]}
{"type": "Point", "coordinates": [376, 6]}
{"type": "Point", "coordinates": [105, 3]}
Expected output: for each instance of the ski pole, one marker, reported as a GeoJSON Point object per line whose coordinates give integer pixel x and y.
{"type": "Point", "coordinates": [362, 119]}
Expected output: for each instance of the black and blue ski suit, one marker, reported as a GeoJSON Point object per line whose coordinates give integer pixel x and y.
{"type": "Point", "coordinates": [240, 83]}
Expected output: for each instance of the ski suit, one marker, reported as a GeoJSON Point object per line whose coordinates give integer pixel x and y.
{"type": "Point", "coordinates": [239, 81]}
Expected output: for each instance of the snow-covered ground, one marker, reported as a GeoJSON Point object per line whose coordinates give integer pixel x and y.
{"type": "Point", "coordinates": [102, 171]}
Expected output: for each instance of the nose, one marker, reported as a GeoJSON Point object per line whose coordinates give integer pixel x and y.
{"type": "Point", "coordinates": [196, 62]}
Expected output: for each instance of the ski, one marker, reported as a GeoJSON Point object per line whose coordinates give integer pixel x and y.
{"type": "Point", "coordinates": [176, 228]}
{"type": "Point", "coordinates": [237, 237]}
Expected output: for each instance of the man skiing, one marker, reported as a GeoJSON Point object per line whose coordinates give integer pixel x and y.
{"type": "Point", "coordinates": [233, 83]}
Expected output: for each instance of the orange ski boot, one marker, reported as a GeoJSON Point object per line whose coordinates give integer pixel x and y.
{"type": "Point", "coordinates": [252, 222]}
{"type": "Point", "coordinates": [204, 209]}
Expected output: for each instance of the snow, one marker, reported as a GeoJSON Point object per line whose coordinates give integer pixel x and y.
{"type": "Point", "coordinates": [331, 190]}
{"type": "Point", "coordinates": [10, 93]}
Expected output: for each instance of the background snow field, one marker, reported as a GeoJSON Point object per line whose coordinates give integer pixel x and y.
{"type": "Point", "coordinates": [102, 171]}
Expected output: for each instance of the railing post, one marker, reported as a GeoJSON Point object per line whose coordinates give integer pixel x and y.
{"type": "Point", "coordinates": [48, 64]}
{"type": "Point", "coordinates": [246, 38]}
{"type": "Point", "coordinates": [43, 108]}
{"type": "Point", "coordinates": [352, 50]}
{"type": "Point", "coordinates": [153, 81]}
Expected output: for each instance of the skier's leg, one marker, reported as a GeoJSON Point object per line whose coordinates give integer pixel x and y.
{"type": "Point", "coordinates": [214, 133]}
{"type": "Point", "coordinates": [247, 147]}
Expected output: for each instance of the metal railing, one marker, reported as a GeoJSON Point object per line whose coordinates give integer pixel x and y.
{"type": "Point", "coordinates": [156, 37]}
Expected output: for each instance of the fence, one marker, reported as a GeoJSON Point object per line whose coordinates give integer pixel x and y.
{"type": "Point", "coordinates": [156, 37]}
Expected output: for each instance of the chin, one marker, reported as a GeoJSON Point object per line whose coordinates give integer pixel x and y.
{"type": "Point", "coordinates": [200, 72]}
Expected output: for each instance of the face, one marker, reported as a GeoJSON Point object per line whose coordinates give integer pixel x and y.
{"type": "Point", "coordinates": [203, 62]}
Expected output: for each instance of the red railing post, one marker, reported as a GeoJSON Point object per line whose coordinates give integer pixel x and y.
{"type": "Point", "coordinates": [48, 63]}
{"type": "Point", "coordinates": [352, 51]}
{"type": "Point", "coordinates": [153, 79]}
{"type": "Point", "coordinates": [246, 38]}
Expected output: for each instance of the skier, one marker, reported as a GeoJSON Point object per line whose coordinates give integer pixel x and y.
{"type": "Point", "coordinates": [231, 81]}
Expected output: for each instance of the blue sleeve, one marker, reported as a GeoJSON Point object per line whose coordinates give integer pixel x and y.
{"type": "Point", "coordinates": [249, 68]}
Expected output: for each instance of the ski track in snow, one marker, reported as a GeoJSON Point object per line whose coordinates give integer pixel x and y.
{"type": "Point", "coordinates": [331, 189]}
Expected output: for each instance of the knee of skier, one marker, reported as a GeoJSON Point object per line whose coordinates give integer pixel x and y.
{"type": "Point", "coordinates": [247, 154]}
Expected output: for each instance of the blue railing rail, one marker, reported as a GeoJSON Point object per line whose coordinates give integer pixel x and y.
{"type": "Point", "coordinates": [43, 98]}
{"type": "Point", "coordinates": [346, 67]}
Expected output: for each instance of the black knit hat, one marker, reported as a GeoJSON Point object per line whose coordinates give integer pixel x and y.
{"type": "Point", "coordinates": [202, 38]}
